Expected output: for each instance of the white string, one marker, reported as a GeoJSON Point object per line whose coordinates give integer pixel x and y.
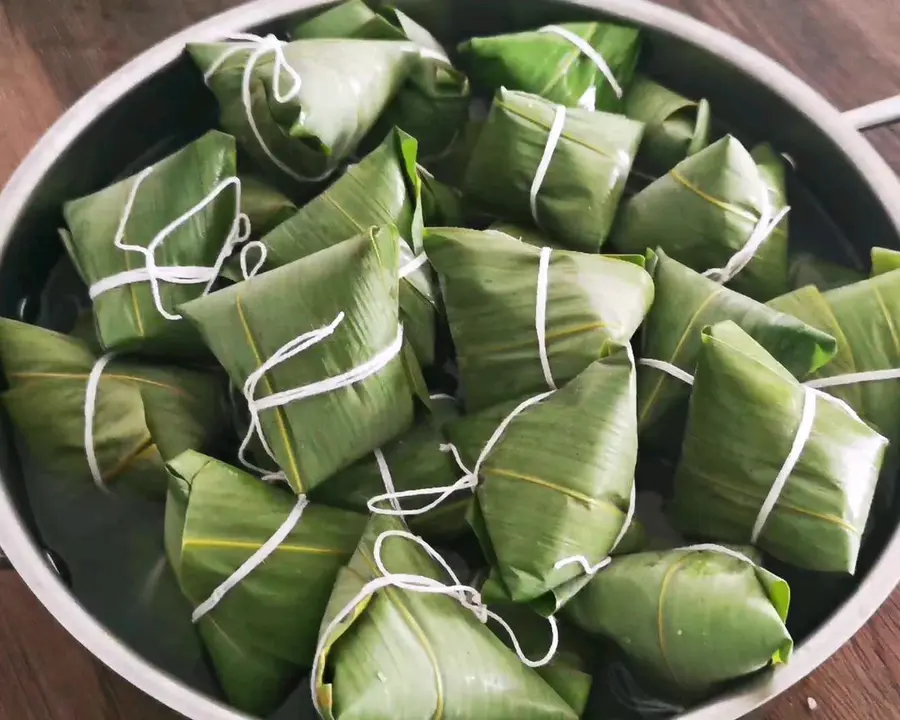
{"type": "Point", "coordinates": [589, 51]}
{"type": "Point", "coordinates": [465, 595]}
{"type": "Point", "coordinates": [540, 314]}
{"type": "Point", "coordinates": [559, 120]}
{"type": "Point", "coordinates": [386, 478]}
{"type": "Point", "coordinates": [184, 275]}
{"type": "Point", "coordinates": [413, 265]}
{"type": "Point", "coordinates": [467, 482]}
{"type": "Point", "coordinates": [853, 378]}
{"type": "Point", "coordinates": [668, 368]}
{"type": "Point", "coordinates": [441, 396]}
{"type": "Point", "coordinates": [259, 46]}
{"type": "Point", "coordinates": [804, 429]}
{"type": "Point", "coordinates": [764, 228]}
{"type": "Point", "coordinates": [287, 351]}
{"type": "Point", "coordinates": [251, 272]}
{"type": "Point", "coordinates": [252, 562]}
{"type": "Point", "coordinates": [90, 408]}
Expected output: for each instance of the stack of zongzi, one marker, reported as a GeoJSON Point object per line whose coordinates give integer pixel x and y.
{"type": "Point", "coordinates": [409, 286]}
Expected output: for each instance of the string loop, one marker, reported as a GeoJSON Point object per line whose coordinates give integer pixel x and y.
{"type": "Point", "coordinates": [182, 275]}
{"type": "Point", "coordinates": [467, 596]}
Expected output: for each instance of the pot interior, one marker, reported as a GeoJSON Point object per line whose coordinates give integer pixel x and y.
{"type": "Point", "coordinates": [111, 546]}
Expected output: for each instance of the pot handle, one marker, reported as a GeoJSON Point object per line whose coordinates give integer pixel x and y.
{"type": "Point", "coordinates": [876, 114]}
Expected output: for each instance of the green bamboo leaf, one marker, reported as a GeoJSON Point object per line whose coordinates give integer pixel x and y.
{"type": "Point", "coordinates": [346, 86]}
{"type": "Point", "coordinates": [569, 673]}
{"type": "Point", "coordinates": [143, 416]}
{"type": "Point", "coordinates": [526, 234]}
{"type": "Point", "coordinates": [315, 437]}
{"type": "Point", "coordinates": [808, 269]}
{"type": "Point", "coordinates": [127, 317]}
{"type": "Point", "coordinates": [261, 636]}
{"type": "Point", "coordinates": [415, 461]}
{"type": "Point", "coordinates": [865, 319]}
{"type": "Point", "coordinates": [433, 104]}
{"type": "Point", "coordinates": [686, 303]}
{"type": "Point", "coordinates": [884, 260]}
{"type": "Point", "coordinates": [549, 65]}
{"type": "Point", "coordinates": [489, 287]}
{"type": "Point", "coordinates": [557, 485]}
{"type": "Point", "coordinates": [745, 411]}
{"type": "Point", "coordinates": [408, 655]}
{"type": "Point", "coordinates": [705, 210]}
{"type": "Point", "coordinates": [674, 126]}
{"type": "Point", "coordinates": [383, 189]}
{"type": "Point", "coordinates": [442, 204]}
{"type": "Point", "coordinates": [264, 206]}
{"type": "Point", "coordinates": [690, 619]}
{"type": "Point", "coordinates": [579, 195]}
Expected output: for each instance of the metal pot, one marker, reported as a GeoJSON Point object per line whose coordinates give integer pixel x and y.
{"type": "Point", "coordinates": [156, 102]}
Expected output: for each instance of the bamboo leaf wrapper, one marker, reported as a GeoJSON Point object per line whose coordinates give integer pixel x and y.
{"type": "Point", "coordinates": [674, 126]}
{"type": "Point", "coordinates": [688, 618]}
{"type": "Point", "coordinates": [557, 485]}
{"type": "Point", "coordinates": [576, 201]}
{"type": "Point", "coordinates": [433, 104]}
{"type": "Point", "coordinates": [303, 130]}
{"type": "Point", "coordinates": [414, 461]}
{"type": "Point", "coordinates": [746, 412]}
{"type": "Point", "coordinates": [261, 636]}
{"type": "Point", "coordinates": [551, 65]}
{"type": "Point", "coordinates": [707, 208]}
{"type": "Point", "coordinates": [134, 213]}
{"type": "Point", "coordinates": [864, 318]}
{"type": "Point", "coordinates": [489, 285]}
{"type": "Point", "coordinates": [383, 189]}
{"type": "Point", "coordinates": [686, 303]}
{"type": "Point", "coordinates": [409, 655]}
{"type": "Point", "coordinates": [143, 415]}
{"type": "Point", "coordinates": [247, 325]}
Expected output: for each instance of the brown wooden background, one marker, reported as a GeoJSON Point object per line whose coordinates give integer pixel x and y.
{"type": "Point", "coordinates": [52, 51]}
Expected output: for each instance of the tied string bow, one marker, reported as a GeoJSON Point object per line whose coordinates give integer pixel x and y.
{"type": "Point", "coordinates": [177, 274]}
{"type": "Point", "coordinates": [467, 596]}
{"type": "Point", "coordinates": [258, 47]}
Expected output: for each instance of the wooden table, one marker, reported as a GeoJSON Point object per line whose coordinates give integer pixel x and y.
{"type": "Point", "coordinates": [52, 51]}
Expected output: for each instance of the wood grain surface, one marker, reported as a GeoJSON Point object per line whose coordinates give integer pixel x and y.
{"type": "Point", "coordinates": [53, 51]}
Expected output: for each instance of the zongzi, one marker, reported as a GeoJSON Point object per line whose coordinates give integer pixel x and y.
{"type": "Point", "coordinates": [301, 108]}
{"type": "Point", "coordinates": [261, 633]}
{"type": "Point", "coordinates": [156, 240]}
{"type": "Point", "coordinates": [689, 618]}
{"type": "Point", "coordinates": [685, 303]}
{"type": "Point", "coordinates": [325, 375]}
{"type": "Point", "coordinates": [383, 189]}
{"type": "Point", "coordinates": [389, 649]}
{"type": "Point", "coordinates": [525, 319]}
{"type": "Point", "coordinates": [585, 65]}
{"type": "Point", "coordinates": [674, 126]}
{"type": "Point", "coordinates": [433, 104]}
{"type": "Point", "coordinates": [721, 212]}
{"type": "Point", "coordinates": [865, 372]}
{"type": "Point", "coordinates": [114, 420]}
{"type": "Point", "coordinates": [555, 481]}
{"type": "Point", "coordinates": [768, 461]}
{"type": "Point", "coordinates": [561, 169]}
